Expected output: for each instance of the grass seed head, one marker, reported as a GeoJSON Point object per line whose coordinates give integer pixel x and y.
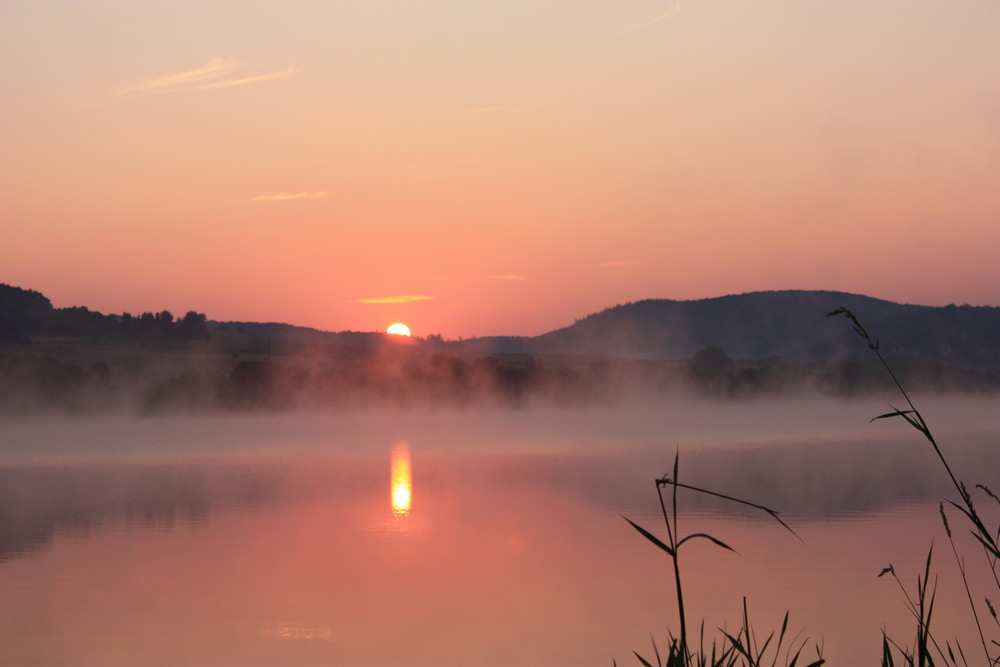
{"type": "Point", "coordinates": [944, 518]}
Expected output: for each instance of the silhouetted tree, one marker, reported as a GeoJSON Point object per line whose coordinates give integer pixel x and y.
{"type": "Point", "coordinates": [126, 326]}
{"type": "Point", "coordinates": [146, 324]}
{"type": "Point", "coordinates": [29, 309]}
{"type": "Point", "coordinates": [81, 321]}
{"type": "Point", "coordinates": [193, 327]}
{"type": "Point", "coordinates": [164, 324]}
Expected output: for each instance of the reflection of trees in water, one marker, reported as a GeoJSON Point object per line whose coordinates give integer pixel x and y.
{"type": "Point", "coordinates": [38, 502]}
{"type": "Point", "coordinates": [812, 480]}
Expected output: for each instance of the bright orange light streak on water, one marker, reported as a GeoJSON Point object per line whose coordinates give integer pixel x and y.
{"type": "Point", "coordinates": [401, 479]}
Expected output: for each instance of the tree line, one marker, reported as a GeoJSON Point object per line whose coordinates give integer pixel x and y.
{"type": "Point", "coordinates": [25, 313]}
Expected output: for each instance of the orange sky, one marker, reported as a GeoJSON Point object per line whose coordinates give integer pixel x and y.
{"type": "Point", "coordinates": [520, 163]}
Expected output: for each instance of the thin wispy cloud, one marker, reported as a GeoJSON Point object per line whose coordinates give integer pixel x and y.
{"type": "Point", "coordinates": [623, 262]}
{"type": "Point", "coordinates": [289, 196]}
{"type": "Point", "coordinates": [291, 71]}
{"type": "Point", "coordinates": [671, 12]}
{"type": "Point", "coordinates": [394, 299]}
{"type": "Point", "coordinates": [509, 276]}
{"type": "Point", "coordinates": [215, 67]}
{"type": "Point", "coordinates": [217, 73]}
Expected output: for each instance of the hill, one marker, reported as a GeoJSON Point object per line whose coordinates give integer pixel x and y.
{"type": "Point", "coordinates": [790, 324]}
{"type": "Point", "coordinates": [756, 344]}
{"type": "Point", "coordinates": [305, 336]}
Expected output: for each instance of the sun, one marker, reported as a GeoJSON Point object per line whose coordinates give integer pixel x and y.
{"type": "Point", "coordinates": [398, 329]}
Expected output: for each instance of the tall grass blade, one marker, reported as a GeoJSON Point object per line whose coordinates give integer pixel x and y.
{"type": "Point", "coordinates": [781, 638]}
{"type": "Point", "coordinates": [770, 512]}
{"type": "Point", "coordinates": [642, 660]}
{"type": "Point", "coordinates": [887, 660]}
{"type": "Point", "coordinates": [981, 533]}
{"type": "Point", "coordinates": [897, 413]}
{"type": "Point", "coordinates": [707, 537]}
{"type": "Point", "coordinates": [737, 645]}
{"type": "Point", "coordinates": [649, 536]}
{"type": "Point", "coordinates": [988, 492]}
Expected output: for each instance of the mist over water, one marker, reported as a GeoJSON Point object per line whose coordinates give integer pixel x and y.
{"type": "Point", "coordinates": [277, 539]}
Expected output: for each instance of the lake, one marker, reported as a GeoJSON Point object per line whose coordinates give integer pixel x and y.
{"type": "Point", "coordinates": [471, 538]}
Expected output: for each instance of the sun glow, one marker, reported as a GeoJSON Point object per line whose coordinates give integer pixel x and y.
{"type": "Point", "coordinates": [398, 329]}
{"type": "Point", "coordinates": [401, 479]}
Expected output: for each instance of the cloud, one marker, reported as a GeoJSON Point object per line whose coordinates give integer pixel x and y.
{"type": "Point", "coordinates": [394, 299]}
{"type": "Point", "coordinates": [291, 71]}
{"type": "Point", "coordinates": [287, 196]}
{"type": "Point", "coordinates": [215, 67]}
{"type": "Point", "coordinates": [671, 12]}
{"type": "Point", "coordinates": [623, 262]}
{"type": "Point", "coordinates": [509, 276]}
{"type": "Point", "coordinates": [217, 73]}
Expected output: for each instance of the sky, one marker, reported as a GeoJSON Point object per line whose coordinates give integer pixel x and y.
{"type": "Point", "coordinates": [494, 167]}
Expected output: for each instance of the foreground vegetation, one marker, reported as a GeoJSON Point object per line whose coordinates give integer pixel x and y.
{"type": "Point", "coordinates": [929, 647]}
{"type": "Point", "coordinates": [744, 649]}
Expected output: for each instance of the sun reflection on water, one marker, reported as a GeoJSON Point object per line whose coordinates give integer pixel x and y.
{"type": "Point", "coordinates": [292, 631]}
{"type": "Point", "coordinates": [401, 481]}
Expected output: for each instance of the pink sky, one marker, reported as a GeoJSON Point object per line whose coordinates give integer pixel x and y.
{"type": "Point", "coordinates": [516, 164]}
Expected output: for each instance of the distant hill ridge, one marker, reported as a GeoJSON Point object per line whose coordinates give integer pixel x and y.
{"type": "Point", "coordinates": [306, 335]}
{"type": "Point", "coordinates": [791, 324]}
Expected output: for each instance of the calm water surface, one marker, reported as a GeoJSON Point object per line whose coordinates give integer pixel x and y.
{"type": "Point", "coordinates": [464, 539]}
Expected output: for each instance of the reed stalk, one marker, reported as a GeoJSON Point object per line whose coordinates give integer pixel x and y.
{"type": "Point", "coordinates": [737, 650]}
{"type": "Point", "coordinates": [986, 538]}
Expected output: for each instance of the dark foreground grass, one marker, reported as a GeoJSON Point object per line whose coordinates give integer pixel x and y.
{"type": "Point", "coordinates": [926, 648]}
{"type": "Point", "coordinates": [744, 649]}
